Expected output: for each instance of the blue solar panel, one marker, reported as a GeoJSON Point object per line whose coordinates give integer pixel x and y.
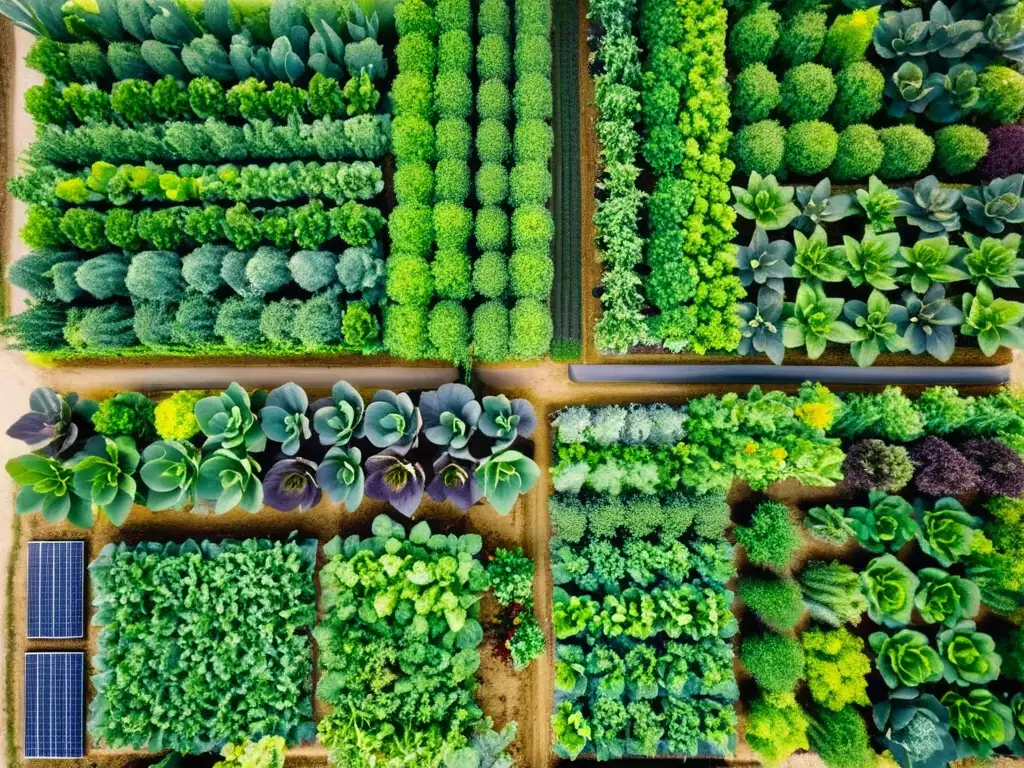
{"type": "Point", "coordinates": [56, 571]}
{"type": "Point", "coordinates": [54, 709]}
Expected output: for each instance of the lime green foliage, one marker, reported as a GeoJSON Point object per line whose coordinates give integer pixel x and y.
{"type": "Point", "coordinates": [802, 37]}
{"type": "Point", "coordinates": [943, 409]}
{"type": "Point", "coordinates": [126, 413]}
{"type": "Point", "coordinates": [173, 417]}
{"type": "Point", "coordinates": [405, 331]}
{"type": "Point", "coordinates": [907, 151]}
{"type": "Point", "coordinates": [448, 331]}
{"type": "Point", "coordinates": [490, 275]}
{"type": "Point", "coordinates": [1002, 93]}
{"type": "Point", "coordinates": [776, 727]}
{"type": "Point", "coordinates": [772, 538]}
{"type": "Point", "coordinates": [775, 661]}
{"type": "Point", "coordinates": [754, 36]}
{"type": "Point", "coordinates": [775, 601]}
{"type": "Point", "coordinates": [453, 140]}
{"type": "Point", "coordinates": [450, 270]}
{"type": "Point", "coordinates": [755, 93]}
{"type": "Point", "coordinates": [267, 589]}
{"type": "Point", "coordinates": [759, 147]}
{"type": "Point", "coordinates": [979, 720]}
{"type": "Point", "coordinates": [888, 414]}
{"type": "Point", "coordinates": [810, 147]}
{"type": "Point", "coordinates": [959, 148]}
{"type": "Point", "coordinates": [268, 752]}
{"type": "Point", "coordinates": [807, 91]}
{"type": "Point", "coordinates": [840, 737]}
{"type": "Point", "coordinates": [837, 668]}
{"type": "Point", "coordinates": [859, 89]}
{"type": "Point", "coordinates": [848, 38]}
{"type": "Point", "coordinates": [531, 329]}
{"type": "Point", "coordinates": [490, 332]}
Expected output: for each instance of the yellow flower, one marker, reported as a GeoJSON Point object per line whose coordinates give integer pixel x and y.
{"type": "Point", "coordinates": [750, 448]}
{"type": "Point", "coordinates": [817, 415]}
{"type": "Point", "coordinates": [779, 454]}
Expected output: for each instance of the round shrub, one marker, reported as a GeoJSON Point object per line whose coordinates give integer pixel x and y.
{"type": "Point", "coordinates": [807, 91]}
{"type": "Point", "coordinates": [810, 147]}
{"type": "Point", "coordinates": [490, 275]}
{"type": "Point", "coordinates": [531, 274]}
{"type": "Point", "coordinates": [174, 416]}
{"type": "Point", "coordinates": [491, 184]}
{"type": "Point", "coordinates": [411, 228]}
{"type": "Point", "coordinates": [774, 601]}
{"type": "Point", "coordinates": [754, 36]}
{"type": "Point", "coordinates": [858, 153]}
{"type": "Point", "coordinates": [532, 228]}
{"type": "Point", "coordinates": [493, 101]}
{"type": "Point", "coordinates": [454, 52]}
{"type": "Point", "coordinates": [492, 141]}
{"type": "Point", "coordinates": [414, 183]}
{"type": "Point", "coordinates": [153, 323]}
{"type": "Point", "coordinates": [453, 95]}
{"type": "Point", "coordinates": [126, 413]}
{"type": "Point", "coordinates": [533, 17]}
{"type": "Point", "coordinates": [413, 16]}
{"type": "Point", "coordinates": [238, 321]}
{"type": "Point", "coordinates": [959, 148]}
{"type": "Point", "coordinates": [448, 331]}
{"type": "Point", "coordinates": [907, 151]}
{"type": "Point", "coordinates": [409, 279]}
{"type": "Point", "coordinates": [801, 37]}
{"type": "Point", "coordinates": [412, 138]}
{"type": "Point", "coordinates": [453, 14]}
{"type": "Point", "coordinates": [313, 270]}
{"type": "Point", "coordinates": [318, 321]}
{"type": "Point", "coordinates": [1005, 153]}
{"type": "Point", "coordinates": [267, 271]}
{"type": "Point", "coordinates": [453, 225]}
{"type": "Point", "coordinates": [416, 54]}
{"type": "Point", "coordinates": [156, 275]}
{"type": "Point", "coordinates": [405, 327]}
{"type": "Point", "coordinates": [1002, 93]}
{"type": "Point", "coordinates": [530, 183]}
{"type": "Point", "coordinates": [491, 228]}
{"type": "Point", "coordinates": [453, 140]}
{"type": "Point", "coordinates": [493, 59]}
{"type": "Point", "coordinates": [533, 55]}
{"type": "Point", "coordinates": [196, 319]}
{"type": "Point", "coordinates": [533, 98]}
{"type": "Point", "coordinates": [772, 538]}
{"type": "Point", "coordinates": [848, 38]}
{"type": "Point", "coordinates": [451, 275]}
{"type": "Point", "coordinates": [492, 18]}
{"type": "Point", "coordinates": [859, 89]}
{"type": "Point", "coordinates": [490, 332]}
{"type": "Point", "coordinates": [759, 147]}
{"type": "Point", "coordinates": [755, 93]}
{"type": "Point", "coordinates": [530, 329]}
{"type": "Point", "coordinates": [278, 320]}
{"type": "Point", "coordinates": [534, 140]}
{"type": "Point", "coordinates": [411, 95]}
{"type": "Point", "coordinates": [451, 181]}
{"type": "Point", "coordinates": [775, 661]}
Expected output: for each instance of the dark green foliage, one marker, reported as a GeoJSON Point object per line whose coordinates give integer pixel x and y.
{"type": "Point", "coordinates": [154, 323]}
{"type": "Point", "coordinates": [775, 661]}
{"type": "Point", "coordinates": [802, 37]}
{"type": "Point", "coordinates": [711, 515]}
{"type": "Point", "coordinates": [775, 601]}
{"type": "Point", "coordinates": [530, 328]}
{"type": "Point", "coordinates": [170, 99]}
{"type": "Point", "coordinates": [755, 93]}
{"type": "Point", "coordinates": [325, 99]}
{"type": "Point", "coordinates": [490, 332]}
{"type": "Point", "coordinates": [39, 328]}
{"type": "Point", "coordinates": [126, 413]}
{"type": "Point", "coordinates": [807, 91]}
{"type": "Point", "coordinates": [859, 153]}
{"type": "Point", "coordinates": [156, 276]}
{"type": "Point", "coordinates": [858, 93]}
{"type": "Point", "coordinates": [405, 331]}
{"type": "Point", "coordinates": [754, 36]}
{"type": "Point", "coordinates": [907, 151]}
{"type": "Point", "coordinates": [840, 738]}
{"type": "Point", "coordinates": [238, 321]}
{"type": "Point", "coordinates": [810, 147]}
{"type": "Point", "coordinates": [772, 538]}
{"type": "Point", "coordinates": [759, 147]}
{"type": "Point", "coordinates": [195, 320]}
{"type": "Point", "coordinates": [267, 271]}
{"type": "Point", "coordinates": [568, 518]}
{"type": "Point", "coordinates": [318, 320]}
{"type": "Point", "coordinates": [104, 276]}
{"type": "Point", "coordinates": [278, 319]}
{"type": "Point", "coordinates": [88, 63]}
{"type": "Point", "coordinates": [201, 268]}
{"type": "Point", "coordinates": [31, 272]}
{"type": "Point", "coordinates": [107, 327]}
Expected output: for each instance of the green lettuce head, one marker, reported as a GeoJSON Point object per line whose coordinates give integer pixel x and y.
{"type": "Point", "coordinates": [945, 530]}
{"type": "Point", "coordinates": [886, 524]}
{"type": "Point", "coordinates": [47, 487]}
{"type": "Point", "coordinates": [943, 598]}
{"type": "Point", "coordinates": [104, 475]}
{"type": "Point", "coordinates": [228, 421]}
{"type": "Point", "coordinates": [968, 657]}
{"type": "Point", "coordinates": [980, 721]}
{"type": "Point", "coordinates": [905, 658]}
{"type": "Point", "coordinates": [889, 587]}
{"type": "Point", "coordinates": [504, 476]}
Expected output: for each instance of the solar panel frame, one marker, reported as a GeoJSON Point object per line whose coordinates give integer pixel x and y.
{"type": "Point", "coordinates": [54, 705]}
{"type": "Point", "coordinates": [56, 590]}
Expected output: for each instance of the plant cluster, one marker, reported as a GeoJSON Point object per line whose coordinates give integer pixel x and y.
{"type": "Point", "coordinates": [230, 450]}
{"type": "Point", "coordinates": [236, 615]}
{"type": "Point", "coordinates": [520, 638]}
{"type": "Point", "coordinates": [917, 240]}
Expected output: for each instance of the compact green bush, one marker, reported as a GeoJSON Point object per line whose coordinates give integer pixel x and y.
{"type": "Point", "coordinates": [841, 738]}
{"type": "Point", "coordinates": [416, 54]}
{"type": "Point", "coordinates": [238, 321]}
{"type": "Point", "coordinates": [775, 661]}
{"type": "Point", "coordinates": [156, 275]}
{"type": "Point", "coordinates": [405, 331]}
{"type": "Point", "coordinates": [493, 101]}
{"type": "Point", "coordinates": [451, 273]}
{"type": "Point", "coordinates": [454, 52]}
{"type": "Point", "coordinates": [493, 58]}
{"type": "Point", "coordinates": [959, 148]}
{"type": "Point", "coordinates": [493, 143]}
{"type": "Point", "coordinates": [848, 38]}
{"type": "Point", "coordinates": [533, 98]}
{"type": "Point", "coordinates": [772, 538]}
{"type": "Point", "coordinates": [807, 91]}
{"type": "Point", "coordinates": [448, 330]}
{"type": "Point", "coordinates": [491, 184]}
{"type": "Point", "coordinates": [533, 55]}
{"type": "Point", "coordinates": [531, 274]}
{"type": "Point", "coordinates": [409, 279]}
{"type": "Point", "coordinates": [530, 183]}
{"type": "Point", "coordinates": [411, 95]}
{"type": "Point", "coordinates": [414, 183]}
{"type": "Point", "coordinates": [907, 151]}
{"type": "Point", "coordinates": [278, 320]}
{"type": "Point", "coordinates": [196, 318]}
{"type": "Point", "coordinates": [412, 229]}
{"type": "Point", "coordinates": [491, 229]}
{"type": "Point", "coordinates": [453, 225]}
{"type": "Point", "coordinates": [859, 89]}
{"type": "Point", "coordinates": [754, 36]}
{"type": "Point", "coordinates": [412, 138]}
{"type": "Point", "coordinates": [451, 181]}
{"type": "Point", "coordinates": [453, 15]}
{"type": "Point", "coordinates": [1001, 93]}
{"type": "Point", "coordinates": [759, 147]}
{"type": "Point", "coordinates": [492, 18]}
{"type": "Point", "coordinates": [490, 275]}
{"type": "Point", "coordinates": [802, 37]}
{"type": "Point", "coordinates": [534, 141]}
{"type": "Point", "coordinates": [773, 600]}
{"type": "Point", "coordinates": [453, 140]}
{"type": "Point", "coordinates": [530, 328]}
{"type": "Point", "coordinates": [776, 727]}
{"type": "Point", "coordinates": [810, 147]}
{"type": "Point", "coordinates": [755, 93]}
{"type": "Point", "coordinates": [532, 228]}
{"type": "Point", "coordinates": [490, 331]}
{"type": "Point", "coordinates": [126, 413]}
{"type": "Point", "coordinates": [453, 95]}
{"type": "Point", "coordinates": [412, 16]}
{"type": "Point", "coordinates": [859, 153]}
{"type": "Point", "coordinates": [837, 668]}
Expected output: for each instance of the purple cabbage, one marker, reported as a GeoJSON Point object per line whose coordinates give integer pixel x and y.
{"type": "Point", "coordinates": [1005, 153]}
{"type": "Point", "coordinates": [49, 425]}
{"type": "Point", "coordinates": [390, 478]}
{"type": "Point", "coordinates": [290, 484]}
{"type": "Point", "coordinates": [454, 481]}
{"type": "Point", "coordinates": [942, 470]}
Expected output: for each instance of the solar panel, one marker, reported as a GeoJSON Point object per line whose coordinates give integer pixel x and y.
{"type": "Point", "coordinates": [54, 708]}
{"type": "Point", "coordinates": [56, 571]}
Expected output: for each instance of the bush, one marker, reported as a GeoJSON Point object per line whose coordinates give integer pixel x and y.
{"type": "Point", "coordinates": [492, 18]}
{"type": "Point", "coordinates": [412, 16]}
{"type": "Point", "coordinates": [318, 321]}
{"type": "Point", "coordinates": [493, 101]}
{"type": "Point", "coordinates": [448, 330]}
{"type": "Point", "coordinates": [493, 58]}
{"type": "Point", "coordinates": [267, 271]}
{"type": "Point", "coordinates": [103, 277]}
{"type": "Point", "coordinates": [1002, 93]}
{"type": "Point", "coordinates": [533, 17]}
{"type": "Point", "coordinates": [533, 98]}
{"type": "Point", "coordinates": [532, 228]}
{"type": "Point", "coordinates": [454, 52]}
{"type": "Point", "coordinates": [405, 329]}
{"type": "Point", "coordinates": [119, 228]}
{"type": "Point", "coordinates": [491, 184]}
{"type": "Point", "coordinates": [453, 14]}
{"type": "Point", "coordinates": [453, 140]}
{"type": "Point", "coordinates": [414, 183]}
{"type": "Point", "coordinates": [83, 227]}
{"type": "Point", "coordinates": [754, 36]}
{"type": "Point", "coordinates": [776, 727]}
{"type": "Point", "coordinates": [416, 54]}
{"type": "Point", "coordinates": [775, 661]}
{"type": "Point", "coordinates": [412, 138]}
{"type": "Point", "coordinates": [810, 147]}
{"type": "Point", "coordinates": [754, 94]}
{"type": "Point", "coordinates": [533, 55]}
{"type": "Point", "coordinates": [277, 322]}
{"type": "Point", "coordinates": [534, 141]}
{"type": "Point", "coordinates": [451, 181]}
{"type": "Point", "coordinates": [841, 739]}
{"type": "Point", "coordinates": [1005, 152]}
{"type": "Point", "coordinates": [907, 151]}
{"type": "Point", "coordinates": [491, 229]}
{"type": "Point", "coordinates": [110, 326]}
{"type": "Point", "coordinates": [711, 515]}
{"type": "Point", "coordinates": [412, 229]}
{"type": "Point", "coordinates": [490, 331]}
{"type": "Point", "coordinates": [450, 270]}
{"type": "Point", "coordinates": [959, 148]}
{"type": "Point", "coordinates": [126, 413]}
{"type": "Point", "coordinates": [531, 274]}
{"type": "Point", "coordinates": [837, 667]}
{"type": "Point", "coordinates": [530, 183]}
{"type": "Point", "coordinates": [453, 225]}
{"type": "Point", "coordinates": [775, 601]}
{"type": "Point", "coordinates": [490, 275]}
{"type": "Point", "coordinates": [453, 95]}
{"type": "Point", "coordinates": [238, 321]}
{"type": "Point", "coordinates": [759, 147]}
{"type": "Point", "coordinates": [807, 91]}
{"type": "Point", "coordinates": [848, 38]}
{"type": "Point", "coordinates": [531, 329]}
{"type": "Point", "coordinates": [859, 153]}
{"type": "Point", "coordinates": [802, 37]}
{"type": "Point", "coordinates": [772, 538]}
{"type": "Point", "coordinates": [411, 95]}
{"type": "Point", "coordinates": [42, 230]}
{"type": "Point", "coordinates": [155, 275]}
{"type": "Point", "coordinates": [195, 320]}
{"type": "Point", "coordinates": [859, 89]}
{"type": "Point", "coordinates": [174, 416]}
{"type": "Point", "coordinates": [492, 142]}
{"type": "Point", "coordinates": [409, 279]}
